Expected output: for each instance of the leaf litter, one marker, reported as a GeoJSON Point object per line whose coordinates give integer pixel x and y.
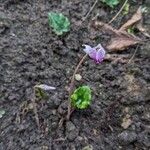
{"type": "Point", "coordinates": [121, 39]}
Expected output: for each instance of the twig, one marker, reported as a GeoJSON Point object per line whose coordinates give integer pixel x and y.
{"type": "Point", "coordinates": [59, 139]}
{"type": "Point", "coordinates": [71, 85]}
{"type": "Point", "coordinates": [90, 10]}
{"type": "Point", "coordinates": [133, 55]}
{"type": "Point", "coordinates": [118, 12]}
{"type": "Point", "coordinates": [35, 109]}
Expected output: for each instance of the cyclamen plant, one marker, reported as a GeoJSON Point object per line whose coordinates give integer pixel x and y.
{"type": "Point", "coordinates": [80, 98]}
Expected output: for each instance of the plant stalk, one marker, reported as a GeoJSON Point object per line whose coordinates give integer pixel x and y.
{"type": "Point", "coordinates": [72, 84]}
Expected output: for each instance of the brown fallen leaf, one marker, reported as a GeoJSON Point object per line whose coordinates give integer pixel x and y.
{"type": "Point", "coordinates": [134, 19]}
{"type": "Point", "coordinates": [121, 42]}
{"type": "Point", "coordinates": [120, 39]}
{"type": "Point", "coordinates": [143, 30]}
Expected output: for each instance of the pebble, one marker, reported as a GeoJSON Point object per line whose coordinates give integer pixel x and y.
{"type": "Point", "coordinates": [144, 138]}
{"type": "Point", "coordinates": [53, 103]}
{"type": "Point", "coordinates": [70, 126]}
{"type": "Point", "coordinates": [71, 136]}
{"type": "Point", "coordinates": [126, 122]}
{"type": "Point", "coordinates": [89, 147]}
{"type": "Point", "coordinates": [71, 131]}
{"type": "Point", "coordinates": [62, 109]}
{"type": "Point", "coordinates": [78, 77]}
{"type": "Point", "coordinates": [127, 137]}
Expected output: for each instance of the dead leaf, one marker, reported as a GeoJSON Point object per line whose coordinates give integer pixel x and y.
{"type": "Point", "coordinates": [105, 26]}
{"type": "Point", "coordinates": [121, 42]}
{"type": "Point", "coordinates": [134, 19]}
{"type": "Point", "coordinates": [120, 39]}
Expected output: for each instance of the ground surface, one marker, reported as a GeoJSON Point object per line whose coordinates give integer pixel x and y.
{"type": "Point", "coordinates": [30, 53]}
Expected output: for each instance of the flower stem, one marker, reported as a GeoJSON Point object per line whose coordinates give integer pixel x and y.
{"type": "Point", "coordinates": [72, 84]}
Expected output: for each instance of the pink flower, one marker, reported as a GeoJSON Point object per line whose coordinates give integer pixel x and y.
{"type": "Point", "coordinates": [96, 53]}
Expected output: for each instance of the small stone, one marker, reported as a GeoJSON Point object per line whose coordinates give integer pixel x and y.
{"type": "Point", "coordinates": [80, 138]}
{"type": "Point", "coordinates": [126, 110]}
{"type": "Point", "coordinates": [72, 135]}
{"type": "Point", "coordinates": [54, 111]}
{"type": "Point", "coordinates": [70, 126]}
{"type": "Point", "coordinates": [30, 106]}
{"type": "Point", "coordinates": [72, 147]}
{"type": "Point", "coordinates": [2, 112]}
{"type": "Point", "coordinates": [62, 109]}
{"type": "Point", "coordinates": [71, 131]}
{"type": "Point", "coordinates": [146, 116]}
{"type": "Point", "coordinates": [78, 77]}
{"type": "Point", "coordinates": [127, 137]}
{"type": "Point", "coordinates": [144, 139]}
{"type": "Point", "coordinates": [126, 122]}
{"type": "Point", "coordinates": [89, 147]}
{"type": "Point", "coordinates": [54, 103]}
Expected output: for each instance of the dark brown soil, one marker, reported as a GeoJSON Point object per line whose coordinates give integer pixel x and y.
{"type": "Point", "coordinates": [30, 53]}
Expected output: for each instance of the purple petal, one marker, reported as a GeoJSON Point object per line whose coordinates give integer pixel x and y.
{"type": "Point", "coordinates": [97, 53]}
{"type": "Point", "coordinates": [100, 55]}
{"type": "Point", "coordinates": [87, 49]}
{"type": "Point", "coordinates": [92, 54]}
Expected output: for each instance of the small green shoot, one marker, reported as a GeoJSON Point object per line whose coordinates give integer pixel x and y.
{"type": "Point", "coordinates": [132, 30]}
{"type": "Point", "coordinates": [2, 112]}
{"type": "Point", "coordinates": [111, 3]}
{"type": "Point", "coordinates": [40, 94]}
{"type": "Point", "coordinates": [40, 90]}
{"type": "Point", "coordinates": [126, 9]}
{"type": "Point", "coordinates": [58, 22]}
{"type": "Point", "coordinates": [81, 97]}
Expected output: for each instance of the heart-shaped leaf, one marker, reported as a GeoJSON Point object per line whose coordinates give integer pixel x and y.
{"type": "Point", "coordinates": [81, 97]}
{"type": "Point", "coordinates": [111, 3]}
{"type": "Point", "coordinates": [58, 22]}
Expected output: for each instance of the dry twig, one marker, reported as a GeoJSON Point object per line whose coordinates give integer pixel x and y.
{"type": "Point", "coordinates": [90, 10]}
{"type": "Point", "coordinates": [118, 12]}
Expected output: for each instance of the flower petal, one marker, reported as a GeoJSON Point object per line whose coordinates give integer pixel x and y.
{"type": "Point", "coordinates": [92, 54]}
{"type": "Point", "coordinates": [87, 49]}
{"type": "Point", "coordinates": [99, 46]}
{"type": "Point", "coordinates": [100, 55]}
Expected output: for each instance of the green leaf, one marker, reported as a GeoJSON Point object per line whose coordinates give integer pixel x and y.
{"type": "Point", "coordinates": [126, 9]}
{"type": "Point", "coordinates": [81, 97]}
{"type": "Point", "coordinates": [111, 3]}
{"type": "Point", "coordinates": [131, 30]}
{"type": "Point", "coordinates": [58, 22]}
{"type": "Point", "coordinates": [40, 94]}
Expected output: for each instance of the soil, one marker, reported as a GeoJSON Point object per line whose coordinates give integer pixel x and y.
{"type": "Point", "coordinates": [30, 53]}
